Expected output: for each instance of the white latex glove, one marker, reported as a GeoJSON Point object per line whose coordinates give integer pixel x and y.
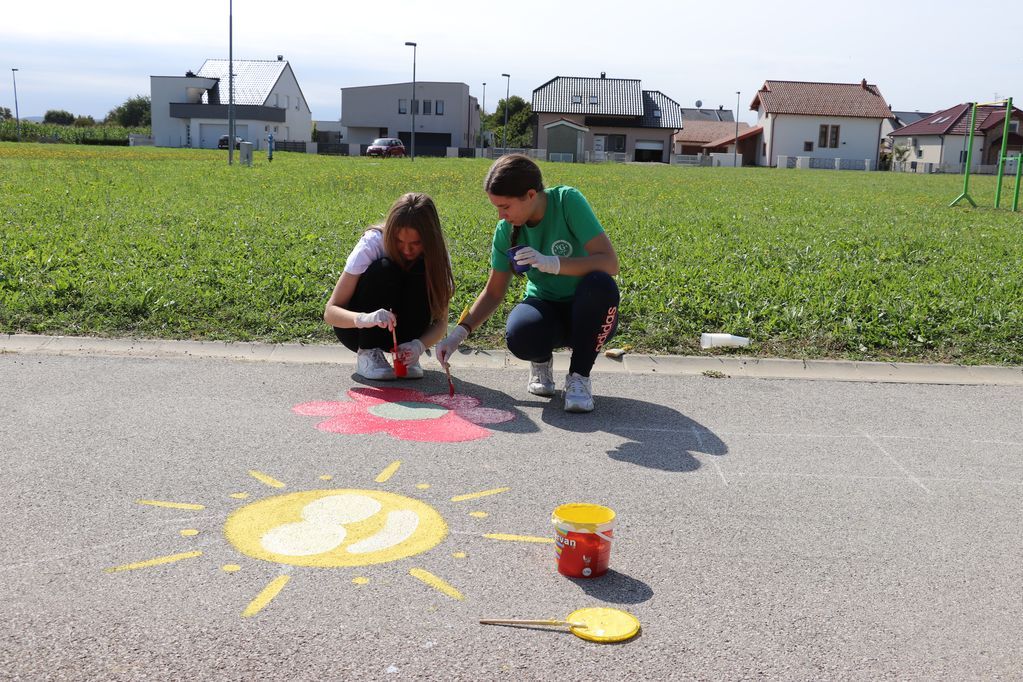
{"type": "Point", "coordinates": [530, 256]}
{"type": "Point", "coordinates": [410, 351]}
{"type": "Point", "coordinates": [447, 346]}
{"type": "Point", "coordinates": [381, 318]}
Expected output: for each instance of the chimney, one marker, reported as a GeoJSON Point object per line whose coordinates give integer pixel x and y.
{"type": "Point", "coordinates": [863, 83]}
{"type": "Point", "coordinates": [603, 74]}
{"type": "Point", "coordinates": [280, 58]}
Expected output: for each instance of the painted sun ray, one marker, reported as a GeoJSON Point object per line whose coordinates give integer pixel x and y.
{"type": "Point", "coordinates": [482, 493]}
{"type": "Point", "coordinates": [155, 562]}
{"type": "Point", "coordinates": [265, 479]}
{"type": "Point", "coordinates": [171, 505]}
{"type": "Point", "coordinates": [266, 596]}
{"type": "Point", "coordinates": [389, 471]}
{"type": "Point", "coordinates": [516, 538]}
{"type": "Point", "coordinates": [436, 583]}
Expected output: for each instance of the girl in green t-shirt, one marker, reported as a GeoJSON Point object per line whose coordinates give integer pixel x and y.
{"type": "Point", "coordinates": [571, 299]}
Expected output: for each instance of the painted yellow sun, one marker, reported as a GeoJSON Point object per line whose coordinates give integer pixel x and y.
{"type": "Point", "coordinates": [331, 528]}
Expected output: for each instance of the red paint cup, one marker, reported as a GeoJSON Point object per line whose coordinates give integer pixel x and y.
{"type": "Point", "coordinates": [400, 370]}
{"type": "Point", "coordinates": [582, 540]}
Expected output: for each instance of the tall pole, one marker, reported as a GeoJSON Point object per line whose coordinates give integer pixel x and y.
{"type": "Point", "coordinates": [230, 82]}
{"type": "Point", "coordinates": [483, 118]}
{"type": "Point", "coordinates": [1001, 154]}
{"type": "Point", "coordinates": [507, 90]}
{"type": "Point", "coordinates": [735, 150]}
{"type": "Point", "coordinates": [17, 116]}
{"type": "Point", "coordinates": [413, 105]}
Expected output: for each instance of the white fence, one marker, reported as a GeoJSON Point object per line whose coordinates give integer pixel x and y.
{"type": "Point", "coordinates": [824, 164]}
{"type": "Point", "coordinates": [604, 157]}
{"type": "Point", "coordinates": [497, 152]}
{"type": "Point", "coordinates": [1009, 168]}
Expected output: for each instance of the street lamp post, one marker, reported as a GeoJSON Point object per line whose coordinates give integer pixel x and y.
{"type": "Point", "coordinates": [230, 82]}
{"type": "Point", "coordinates": [507, 89]}
{"type": "Point", "coordinates": [483, 118]}
{"type": "Point", "coordinates": [17, 116]}
{"type": "Point", "coordinates": [735, 150]}
{"type": "Point", "coordinates": [413, 105]}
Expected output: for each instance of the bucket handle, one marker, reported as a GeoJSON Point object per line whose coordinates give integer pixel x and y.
{"type": "Point", "coordinates": [601, 535]}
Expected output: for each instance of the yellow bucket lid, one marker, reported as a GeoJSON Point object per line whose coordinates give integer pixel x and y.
{"type": "Point", "coordinates": [584, 517]}
{"type": "Point", "coordinates": [603, 624]}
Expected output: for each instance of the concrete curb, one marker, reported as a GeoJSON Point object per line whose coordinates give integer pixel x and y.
{"type": "Point", "coordinates": [669, 365]}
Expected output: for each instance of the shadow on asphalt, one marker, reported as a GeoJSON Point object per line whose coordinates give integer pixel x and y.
{"type": "Point", "coordinates": [659, 437]}
{"type": "Point", "coordinates": [615, 588]}
{"type": "Point", "coordinates": [656, 436]}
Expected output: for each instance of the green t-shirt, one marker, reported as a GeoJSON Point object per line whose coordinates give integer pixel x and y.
{"type": "Point", "coordinates": [568, 223]}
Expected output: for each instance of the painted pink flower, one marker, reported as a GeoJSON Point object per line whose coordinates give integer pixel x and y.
{"type": "Point", "coordinates": [406, 414]}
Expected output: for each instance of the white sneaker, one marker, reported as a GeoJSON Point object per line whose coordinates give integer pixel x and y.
{"type": "Point", "coordinates": [541, 378]}
{"type": "Point", "coordinates": [414, 371]}
{"type": "Point", "coordinates": [578, 393]}
{"type": "Point", "coordinates": [372, 364]}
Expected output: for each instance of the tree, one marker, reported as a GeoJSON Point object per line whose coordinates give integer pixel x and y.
{"type": "Point", "coordinates": [84, 122]}
{"type": "Point", "coordinates": [520, 120]}
{"type": "Point", "coordinates": [5, 113]}
{"type": "Point", "coordinates": [134, 113]}
{"type": "Point", "coordinates": [59, 116]}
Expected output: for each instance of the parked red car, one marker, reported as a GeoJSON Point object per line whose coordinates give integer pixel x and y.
{"type": "Point", "coordinates": [386, 146]}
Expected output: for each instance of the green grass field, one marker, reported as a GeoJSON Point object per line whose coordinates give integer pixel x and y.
{"type": "Point", "coordinates": [168, 243]}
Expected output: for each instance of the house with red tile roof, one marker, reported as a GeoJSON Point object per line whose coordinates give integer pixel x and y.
{"type": "Point", "coordinates": [695, 134]}
{"type": "Point", "coordinates": [819, 120]}
{"type": "Point", "coordinates": [941, 138]}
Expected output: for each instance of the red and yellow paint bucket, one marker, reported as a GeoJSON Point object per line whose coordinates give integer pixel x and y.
{"type": "Point", "coordinates": [582, 539]}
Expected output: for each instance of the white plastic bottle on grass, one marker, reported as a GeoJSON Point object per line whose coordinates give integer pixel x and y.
{"type": "Point", "coordinates": [722, 340]}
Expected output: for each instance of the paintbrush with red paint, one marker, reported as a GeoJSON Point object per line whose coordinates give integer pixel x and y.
{"type": "Point", "coordinates": [400, 369]}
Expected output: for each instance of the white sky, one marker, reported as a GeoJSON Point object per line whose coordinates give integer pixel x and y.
{"type": "Point", "coordinates": [89, 57]}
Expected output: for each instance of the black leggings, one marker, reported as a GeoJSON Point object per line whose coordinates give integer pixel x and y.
{"type": "Point", "coordinates": [386, 285]}
{"type": "Point", "coordinates": [536, 327]}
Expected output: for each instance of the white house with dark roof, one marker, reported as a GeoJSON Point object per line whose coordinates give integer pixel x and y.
{"type": "Point", "coordinates": [939, 141]}
{"type": "Point", "coordinates": [191, 110]}
{"type": "Point", "coordinates": [589, 118]}
{"type": "Point", "coordinates": [820, 121]}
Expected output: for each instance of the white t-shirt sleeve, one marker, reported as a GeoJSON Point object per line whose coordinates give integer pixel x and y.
{"type": "Point", "coordinates": [369, 249]}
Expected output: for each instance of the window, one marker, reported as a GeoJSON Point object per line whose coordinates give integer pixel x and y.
{"type": "Point", "coordinates": [577, 99]}
{"type": "Point", "coordinates": [808, 146]}
{"type": "Point", "coordinates": [427, 107]}
{"type": "Point", "coordinates": [593, 99]}
{"type": "Point", "coordinates": [1013, 126]}
{"type": "Point", "coordinates": [402, 106]}
{"type": "Point", "coordinates": [615, 143]}
{"type": "Point", "coordinates": [415, 106]}
{"type": "Point", "coordinates": [919, 153]}
{"type": "Point", "coordinates": [438, 107]}
{"type": "Point", "coordinates": [657, 113]}
{"type": "Point", "coordinates": [828, 137]}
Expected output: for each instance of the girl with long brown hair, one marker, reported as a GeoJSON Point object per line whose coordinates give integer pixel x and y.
{"type": "Point", "coordinates": [571, 297]}
{"type": "Point", "coordinates": [396, 280]}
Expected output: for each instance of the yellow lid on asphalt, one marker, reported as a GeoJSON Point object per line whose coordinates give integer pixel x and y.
{"type": "Point", "coordinates": [603, 624]}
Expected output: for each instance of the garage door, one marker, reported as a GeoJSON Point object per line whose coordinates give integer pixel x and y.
{"type": "Point", "coordinates": [650, 145]}
{"type": "Point", "coordinates": [209, 133]}
{"type": "Point", "coordinates": [649, 150]}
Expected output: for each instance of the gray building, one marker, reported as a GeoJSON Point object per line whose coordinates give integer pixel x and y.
{"type": "Point", "coordinates": [446, 115]}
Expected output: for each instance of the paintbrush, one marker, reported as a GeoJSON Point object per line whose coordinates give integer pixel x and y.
{"type": "Point", "coordinates": [399, 367]}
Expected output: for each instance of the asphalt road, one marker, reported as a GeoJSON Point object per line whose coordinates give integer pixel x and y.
{"type": "Point", "coordinates": [781, 529]}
